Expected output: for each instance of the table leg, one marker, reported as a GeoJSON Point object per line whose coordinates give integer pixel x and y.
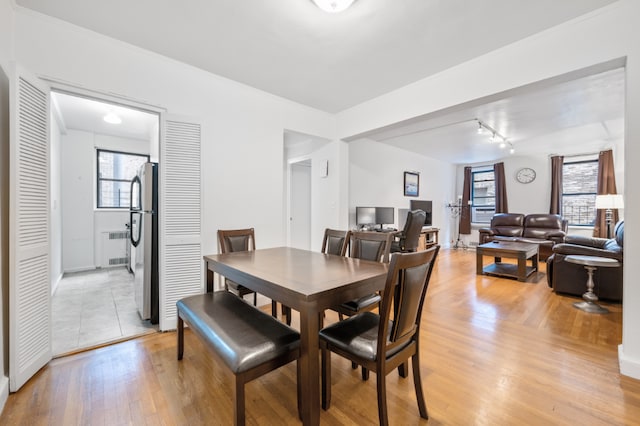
{"type": "Point", "coordinates": [478, 262]}
{"type": "Point", "coordinates": [522, 268]}
{"type": "Point", "coordinates": [534, 262]}
{"type": "Point", "coordinates": [309, 369]}
{"type": "Point", "coordinates": [208, 278]}
{"type": "Point", "coordinates": [590, 298]}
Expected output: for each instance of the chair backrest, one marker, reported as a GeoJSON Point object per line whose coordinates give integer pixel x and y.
{"type": "Point", "coordinates": [508, 224]}
{"type": "Point", "coordinates": [538, 225]}
{"type": "Point", "coordinates": [232, 240]}
{"type": "Point", "coordinates": [412, 228]}
{"type": "Point", "coordinates": [405, 290]}
{"type": "Point", "coordinates": [335, 242]}
{"type": "Point", "coordinates": [374, 246]}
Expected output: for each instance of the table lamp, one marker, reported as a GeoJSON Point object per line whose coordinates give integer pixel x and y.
{"type": "Point", "coordinates": [609, 202]}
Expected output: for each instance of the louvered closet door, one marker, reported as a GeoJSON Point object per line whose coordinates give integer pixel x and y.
{"type": "Point", "coordinates": [181, 270]}
{"type": "Point", "coordinates": [29, 282]}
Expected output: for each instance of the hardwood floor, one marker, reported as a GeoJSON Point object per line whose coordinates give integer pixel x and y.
{"type": "Point", "coordinates": [493, 351]}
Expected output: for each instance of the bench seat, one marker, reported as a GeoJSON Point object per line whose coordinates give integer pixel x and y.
{"type": "Point", "coordinates": [249, 342]}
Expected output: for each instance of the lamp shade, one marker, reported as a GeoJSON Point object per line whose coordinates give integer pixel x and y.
{"type": "Point", "coordinates": [609, 201]}
{"type": "Point", "coordinates": [333, 6]}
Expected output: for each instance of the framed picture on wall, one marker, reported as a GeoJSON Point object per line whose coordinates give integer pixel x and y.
{"type": "Point", "coordinates": [411, 184]}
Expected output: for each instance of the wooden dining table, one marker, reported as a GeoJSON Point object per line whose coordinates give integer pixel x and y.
{"type": "Point", "coordinates": [308, 282]}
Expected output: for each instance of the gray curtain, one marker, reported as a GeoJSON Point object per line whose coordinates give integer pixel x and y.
{"type": "Point", "coordinates": [606, 185]}
{"type": "Point", "coordinates": [501, 188]}
{"type": "Point", "coordinates": [555, 206]}
{"type": "Point", "coordinates": [465, 211]}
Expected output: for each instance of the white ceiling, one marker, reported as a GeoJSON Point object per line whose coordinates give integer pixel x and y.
{"type": "Point", "coordinates": [335, 61]}
{"type": "Point", "coordinates": [580, 115]}
{"type": "Point", "coordinates": [86, 114]}
{"type": "Point", "coordinates": [327, 61]}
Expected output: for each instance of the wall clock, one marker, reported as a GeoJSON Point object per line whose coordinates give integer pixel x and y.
{"type": "Point", "coordinates": [526, 175]}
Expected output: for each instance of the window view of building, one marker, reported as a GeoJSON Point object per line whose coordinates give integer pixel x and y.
{"type": "Point", "coordinates": [579, 188]}
{"type": "Point", "coordinates": [483, 195]}
{"type": "Point", "coordinates": [115, 172]}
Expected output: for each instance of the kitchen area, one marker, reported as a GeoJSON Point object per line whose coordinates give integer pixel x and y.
{"type": "Point", "coordinates": [104, 204]}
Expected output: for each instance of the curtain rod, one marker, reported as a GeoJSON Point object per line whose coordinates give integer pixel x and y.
{"type": "Point", "coordinates": [577, 155]}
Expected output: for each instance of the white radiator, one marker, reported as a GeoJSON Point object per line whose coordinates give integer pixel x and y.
{"type": "Point", "coordinates": [114, 248]}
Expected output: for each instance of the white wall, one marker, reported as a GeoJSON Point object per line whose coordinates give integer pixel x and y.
{"type": "Point", "coordinates": [599, 37]}
{"type": "Point", "coordinates": [376, 178]}
{"type": "Point", "coordinates": [242, 127]}
{"type": "Point", "coordinates": [82, 224]}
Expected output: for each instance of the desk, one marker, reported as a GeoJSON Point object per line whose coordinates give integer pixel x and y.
{"type": "Point", "coordinates": [308, 282]}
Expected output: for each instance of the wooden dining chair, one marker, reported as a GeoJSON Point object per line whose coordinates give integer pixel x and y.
{"type": "Point", "coordinates": [335, 242]}
{"type": "Point", "coordinates": [385, 341]}
{"type": "Point", "coordinates": [234, 240]}
{"type": "Point", "coordinates": [366, 245]}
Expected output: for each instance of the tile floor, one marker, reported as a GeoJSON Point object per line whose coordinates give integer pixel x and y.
{"type": "Point", "coordinates": [93, 308]}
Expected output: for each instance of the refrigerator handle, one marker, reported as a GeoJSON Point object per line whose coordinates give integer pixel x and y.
{"type": "Point", "coordinates": [135, 181]}
{"type": "Point", "coordinates": [136, 231]}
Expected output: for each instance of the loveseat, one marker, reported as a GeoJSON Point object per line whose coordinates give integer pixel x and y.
{"type": "Point", "coordinates": [570, 278]}
{"type": "Point", "coordinates": [546, 230]}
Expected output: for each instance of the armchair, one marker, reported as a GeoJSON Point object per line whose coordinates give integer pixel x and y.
{"type": "Point", "coordinates": [569, 278]}
{"type": "Point", "coordinates": [408, 238]}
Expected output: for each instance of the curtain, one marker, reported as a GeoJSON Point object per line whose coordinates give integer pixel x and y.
{"type": "Point", "coordinates": [465, 210]}
{"type": "Point", "coordinates": [556, 184]}
{"type": "Point", "coordinates": [501, 188]}
{"type": "Point", "coordinates": [606, 185]}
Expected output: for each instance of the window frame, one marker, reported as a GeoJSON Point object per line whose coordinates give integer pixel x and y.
{"type": "Point", "coordinates": [101, 179]}
{"type": "Point", "coordinates": [595, 193]}
{"type": "Point", "coordinates": [475, 206]}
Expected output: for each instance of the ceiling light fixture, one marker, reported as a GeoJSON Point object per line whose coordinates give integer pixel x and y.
{"type": "Point", "coordinates": [333, 6]}
{"type": "Point", "coordinates": [112, 118]}
{"type": "Point", "coordinates": [495, 136]}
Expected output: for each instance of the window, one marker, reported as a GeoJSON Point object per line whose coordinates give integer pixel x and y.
{"type": "Point", "coordinates": [483, 195]}
{"type": "Point", "coordinates": [115, 172]}
{"type": "Point", "coordinates": [579, 188]}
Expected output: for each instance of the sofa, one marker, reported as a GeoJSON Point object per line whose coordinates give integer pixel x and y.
{"type": "Point", "coordinates": [546, 230]}
{"type": "Point", "coordinates": [570, 278]}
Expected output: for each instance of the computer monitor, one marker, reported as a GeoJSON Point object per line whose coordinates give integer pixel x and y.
{"type": "Point", "coordinates": [365, 216]}
{"type": "Point", "coordinates": [424, 205]}
{"type": "Point", "coordinates": [385, 216]}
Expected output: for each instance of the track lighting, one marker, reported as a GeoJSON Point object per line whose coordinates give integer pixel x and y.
{"type": "Point", "coordinates": [495, 136]}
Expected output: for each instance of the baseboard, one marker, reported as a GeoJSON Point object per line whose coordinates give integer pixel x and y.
{"type": "Point", "coordinates": [4, 392]}
{"type": "Point", "coordinates": [628, 366]}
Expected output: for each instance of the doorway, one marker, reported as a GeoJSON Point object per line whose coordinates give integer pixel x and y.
{"type": "Point", "coordinates": [300, 204]}
{"type": "Point", "coordinates": [94, 148]}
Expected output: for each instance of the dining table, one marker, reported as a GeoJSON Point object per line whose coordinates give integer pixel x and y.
{"type": "Point", "coordinates": [308, 282]}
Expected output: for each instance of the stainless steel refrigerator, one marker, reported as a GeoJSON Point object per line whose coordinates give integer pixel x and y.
{"type": "Point", "coordinates": [143, 217]}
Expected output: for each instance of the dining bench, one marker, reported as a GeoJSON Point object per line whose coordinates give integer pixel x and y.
{"type": "Point", "coordinates": [248, 341]}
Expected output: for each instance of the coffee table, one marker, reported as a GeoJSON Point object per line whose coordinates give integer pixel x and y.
{"type": "Point", "coordinates": [510, 250]}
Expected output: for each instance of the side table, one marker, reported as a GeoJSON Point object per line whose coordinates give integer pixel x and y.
{"type": "Point", "coordinates": [591, 263]}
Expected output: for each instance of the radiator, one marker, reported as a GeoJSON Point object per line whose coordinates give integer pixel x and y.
{"type": "Point", "coordinates": [114, 248]}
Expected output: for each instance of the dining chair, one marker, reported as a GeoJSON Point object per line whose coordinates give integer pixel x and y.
{"type": "Point", "coordinates": [365, 245]}
{"type": "Point", "coordinates": [335, 242]}
{"type": "Point", "coordinates": [385, 341]}
{"type": "Point", "coordinates": [235, 240]}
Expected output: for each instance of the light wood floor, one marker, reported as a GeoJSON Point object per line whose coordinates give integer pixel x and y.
{"type": "Point", "coordinates": [494, 352]}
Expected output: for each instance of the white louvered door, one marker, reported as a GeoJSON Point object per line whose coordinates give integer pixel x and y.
{"type": "Point", "coordinates": [29, 282]}
{"type": "Point", "coordinates": [181, 270]}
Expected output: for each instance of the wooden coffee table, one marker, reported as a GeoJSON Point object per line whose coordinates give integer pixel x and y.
{"type": "Point", "coordinates": [510, 250]}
